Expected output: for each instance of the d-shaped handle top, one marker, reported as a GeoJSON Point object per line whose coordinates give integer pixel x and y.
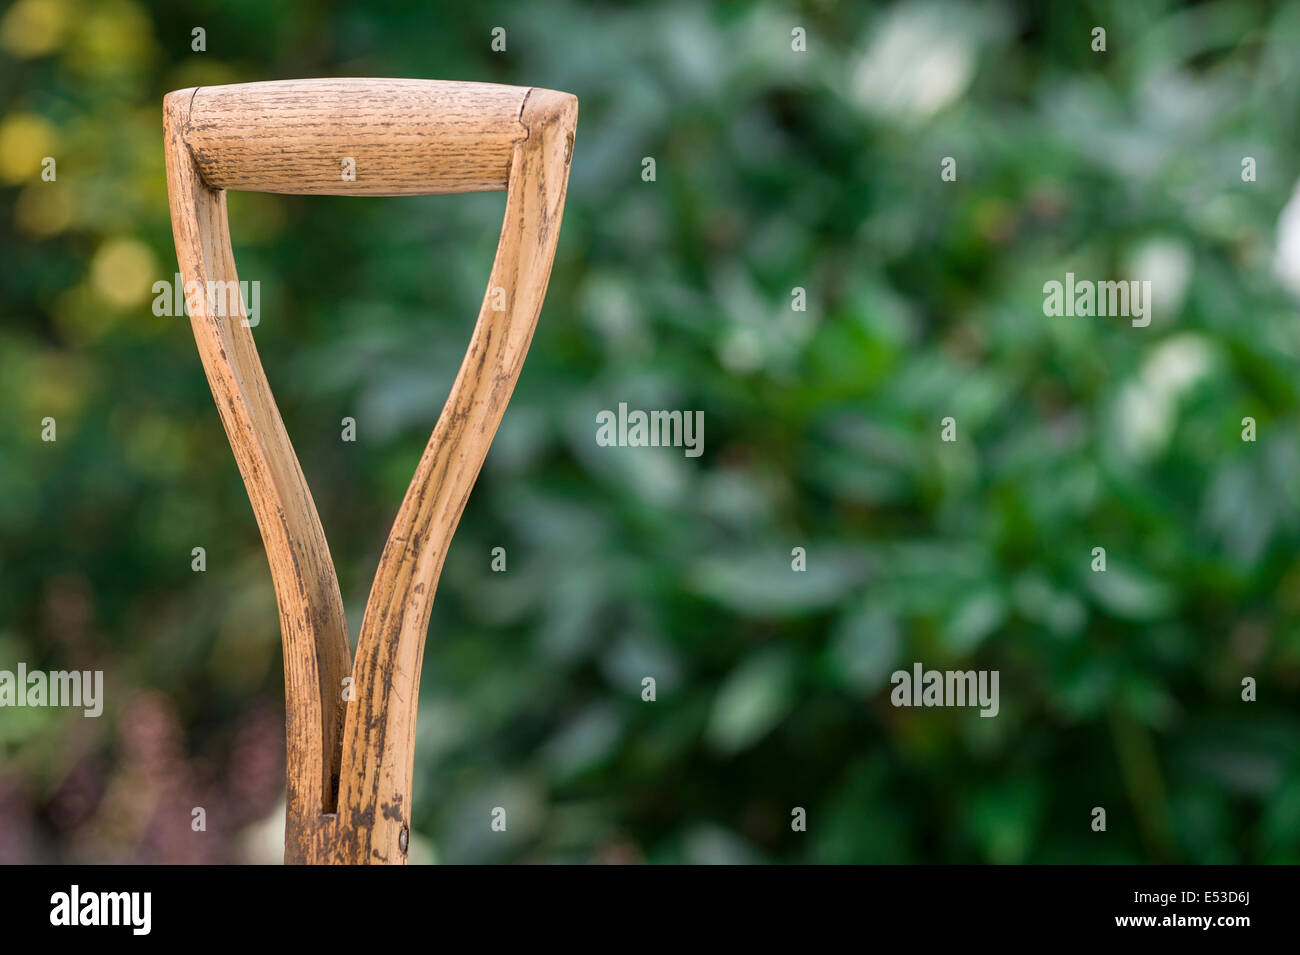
{"type": "Point", "coordinates": [350, 758]}
{"type": "Point", "coordinates": [357, 137]}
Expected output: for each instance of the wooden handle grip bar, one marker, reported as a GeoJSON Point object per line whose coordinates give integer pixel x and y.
{"type": "Point", "coordinates": [350, 742]}
{"type": "Point", "coordinates": [402, 137]}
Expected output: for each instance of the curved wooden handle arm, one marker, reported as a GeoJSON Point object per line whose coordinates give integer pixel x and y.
{"type": "Point", "coordinates": [312, 622]}
{"type": "Point", "coordinates": [356, 137]}
{"type": "Point", "coordinates": [379, 737]}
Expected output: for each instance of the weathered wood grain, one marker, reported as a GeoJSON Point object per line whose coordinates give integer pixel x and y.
{"type": "Point", "coordinates": [405, 137]}
{"type": "Point", "coordinates": [350, 765]}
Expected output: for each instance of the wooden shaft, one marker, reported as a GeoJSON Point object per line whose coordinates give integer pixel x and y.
{"type": "Point", "coordinates": [356, 137]}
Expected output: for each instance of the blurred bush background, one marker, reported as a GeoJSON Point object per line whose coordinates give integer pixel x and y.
{"type": "Point", "coordinates": [775, 169]}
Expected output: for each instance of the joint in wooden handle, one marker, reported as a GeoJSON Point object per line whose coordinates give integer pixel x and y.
{"type": "Point", "coordinates": [354, 137]}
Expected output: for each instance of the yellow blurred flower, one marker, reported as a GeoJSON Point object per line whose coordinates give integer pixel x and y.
{"type": "Point", "coordinates": [123, 272]}
{"type": "Point", "coordinates": [34, 27]}
{"type": "Point", "coordinates": [44, 209]}
{"type": "Point", "coordinates": [112, 38]}
{"type": "Point", "coordinates": [25, 140]}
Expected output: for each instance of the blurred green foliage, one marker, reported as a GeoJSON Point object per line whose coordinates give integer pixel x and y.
{"type": "Point", "coordinates": [775, 169]}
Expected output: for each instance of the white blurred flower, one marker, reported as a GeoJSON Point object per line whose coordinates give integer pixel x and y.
{"type": "Point", "coordinates": [920, 59]}
{"type": "Point", "coordinates": [1147, 407]}
{"type": "Point", "coordinates": [1286, 261]}
{"type": "Point", "coordinates": [1167, 264]}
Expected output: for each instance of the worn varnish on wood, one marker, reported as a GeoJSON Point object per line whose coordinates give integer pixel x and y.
{"type": "Point", "coordinates": [350, 763]}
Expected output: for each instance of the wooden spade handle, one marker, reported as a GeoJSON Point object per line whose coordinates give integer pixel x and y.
{"type": "Point", "coordinates": [402, 137]}
{"type": "Point", "coordinates": [350, 742]}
